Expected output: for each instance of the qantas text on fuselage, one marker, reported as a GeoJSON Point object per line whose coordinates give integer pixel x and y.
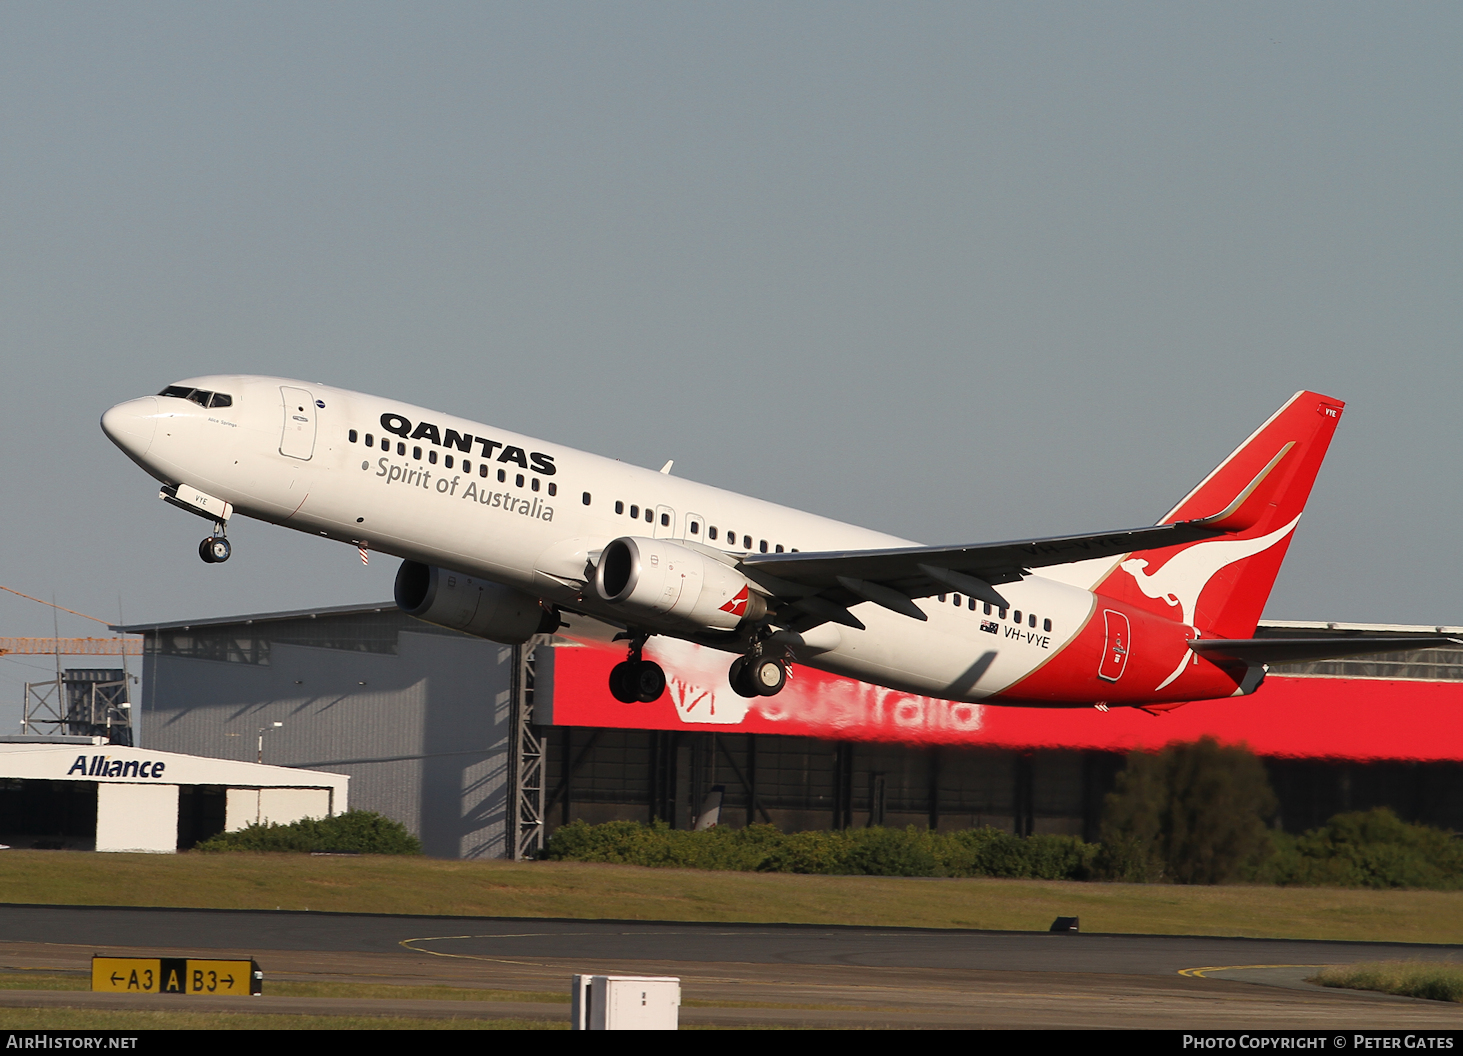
{"type": "Point", "coordinates": [507, 537]}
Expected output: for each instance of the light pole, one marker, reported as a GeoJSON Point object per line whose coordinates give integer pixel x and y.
{"type": "Point", "coordinates": [259, 758]}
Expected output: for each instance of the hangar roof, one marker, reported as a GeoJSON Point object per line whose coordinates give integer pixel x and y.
{"type": "Point", "coordinates": [49, 761]}
{"type": "Point", "coordinates": [256, 617]}
{"type": "Point", "coordinates": [1310, 627]}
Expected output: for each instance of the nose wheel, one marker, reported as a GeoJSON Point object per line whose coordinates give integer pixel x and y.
{"type": "Point", "coordinates": [214, 550]}
{"type": "Point", "coordinates": [757, 676]}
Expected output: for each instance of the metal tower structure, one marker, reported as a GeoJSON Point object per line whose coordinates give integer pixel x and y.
{"type": "Point", "coordinates": [87, 702]}
{"type": "Point", "coordinates": [526, 776]}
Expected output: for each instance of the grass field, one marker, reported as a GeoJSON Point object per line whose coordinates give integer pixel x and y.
{"type": "Point", "coordinates": [1436, 982]}
{"type": "Point", "coordinates": [113, 1019]}
{"type": "Point", "coordinates": [370, 884]}
{"type": "Point", "coordinates": [52, 1019]}
{"type": "Point", "coordinates": [289, 988]}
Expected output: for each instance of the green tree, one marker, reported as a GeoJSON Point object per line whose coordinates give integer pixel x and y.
{"type": "Point", "coordinates": [1190, 814]}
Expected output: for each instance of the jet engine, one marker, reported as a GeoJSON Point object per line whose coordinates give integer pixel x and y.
{"type": "Point", "coordinates": [473, 606]}
{"type": "Point", "coordinates": [658, 581]}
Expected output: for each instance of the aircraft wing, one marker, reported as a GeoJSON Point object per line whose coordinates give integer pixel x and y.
{"type": "Point", "coordinates": [1301, 650]}
{"type": "Point", "coordinates": [823, 585]}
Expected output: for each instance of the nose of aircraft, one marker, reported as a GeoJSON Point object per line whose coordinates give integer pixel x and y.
{"type": "Point", "coordinates": [131, 425]}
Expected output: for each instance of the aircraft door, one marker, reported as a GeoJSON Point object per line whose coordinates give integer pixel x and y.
{"type": "Point", "coordinates": [298, 438]}
{"type": "Point", "coordinates": [694, 528]}
{"type": "Point", "coordinates": [1119, 643]}
{"type": "Point", "coordinates": [665, 522]}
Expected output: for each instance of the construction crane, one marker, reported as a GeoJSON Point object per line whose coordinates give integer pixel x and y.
{"type": "Point", "coordinates": [71, 646]}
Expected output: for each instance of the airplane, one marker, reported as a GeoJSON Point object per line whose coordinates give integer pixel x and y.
{"type": "Point", "coordinates": [507, 537]}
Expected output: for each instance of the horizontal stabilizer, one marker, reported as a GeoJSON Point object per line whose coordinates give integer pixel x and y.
{"type": "Point", "coordinates": [1301, 650]}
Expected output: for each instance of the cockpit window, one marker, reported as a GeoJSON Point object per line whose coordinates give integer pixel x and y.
{"type": "Point", "coordinates": [202, 397]}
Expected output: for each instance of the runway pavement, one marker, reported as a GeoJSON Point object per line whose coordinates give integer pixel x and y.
{"type": "Point", "coordinates": [750, 975]}
{"type": "Point", "coordinates": [600, 940]}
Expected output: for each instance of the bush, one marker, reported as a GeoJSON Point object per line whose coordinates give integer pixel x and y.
{"type": "Point", "coordinates": [857, 852]}
{"type": "Point", "coordinates": [1158, 828]}
{"type": "Point", "coordinates": [879, 851]}
{"type": "Point", "coordinates": [862, 852]}
{"type": "Point", "coordinates": [631, 843]}
{"type": "Point", "coordinates": [1190, 814]}
{"type": "Point", "coordinates": [354, 832]}
{"type": "Point", "coordinates": [991, 852]}
{"type": "Point", "coordinates": [1371, 848]}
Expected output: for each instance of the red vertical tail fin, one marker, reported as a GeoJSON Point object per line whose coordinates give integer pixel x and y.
{"type": "Point", "coordinates": [1220, 586]}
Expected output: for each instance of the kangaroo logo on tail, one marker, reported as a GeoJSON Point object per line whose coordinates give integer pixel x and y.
{"type": "Point", "coordinates": [1185, 575]}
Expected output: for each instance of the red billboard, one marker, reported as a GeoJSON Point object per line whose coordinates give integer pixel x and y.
{"type": "Point", "coordinates": [1290, 716]}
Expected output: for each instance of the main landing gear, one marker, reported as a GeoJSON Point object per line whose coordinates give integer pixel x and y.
{"type": "Point", "coordinates": [758, 675]}
{"type": "Point", "coordinates": [215, 550]}
{"type": "Point", "coordinates": [637, 680]}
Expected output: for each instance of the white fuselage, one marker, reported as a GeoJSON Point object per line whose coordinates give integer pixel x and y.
{"type": "Point", "coordinates": [283, 452]}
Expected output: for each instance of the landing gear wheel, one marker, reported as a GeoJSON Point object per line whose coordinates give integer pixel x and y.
{"type": "Point", "coordinates": [637, 681]}
{"type": "Point", "coordinates": [648, 680]}
{"type": "Point", "coordinates": [766, 676]}
{"type": "Point", "coordinates": [621, 687]}
{"type": "Point", "coordinates": [214, 550]}
{"type": "Point", "coordinates": [737, 676]}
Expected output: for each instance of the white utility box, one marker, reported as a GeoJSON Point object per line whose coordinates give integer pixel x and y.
{"type": "Point", "coordinates": [626, 1002]}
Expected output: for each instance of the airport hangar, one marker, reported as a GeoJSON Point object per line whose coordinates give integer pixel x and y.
{"type": "Point", "coordinates": [483, 749]}
{"type": "Point", "coordinates": [79, 792]}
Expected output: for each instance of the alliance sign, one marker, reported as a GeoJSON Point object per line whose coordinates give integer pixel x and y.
{"type": "Point", "coordinates": [105, 766]}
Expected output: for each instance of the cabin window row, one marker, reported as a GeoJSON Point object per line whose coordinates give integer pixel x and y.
{"type": "Point", "coordinates": [731, 539]}
{"type": "Point", "coordinates": [1016, 614]}
{"type": "Point", "coordinates": [694, 529]}
{"type": "Point", "coordinates": [665, 518]}
{"type": "Point", "coordinates": [464, 465]}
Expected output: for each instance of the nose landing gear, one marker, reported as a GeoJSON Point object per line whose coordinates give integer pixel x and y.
{"type": "Point", "coordinates": [637, 680]}
{"type": "Point", "coordinates": [215, 550]}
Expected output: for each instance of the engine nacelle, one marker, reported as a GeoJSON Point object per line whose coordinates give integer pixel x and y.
{"type": "Point", "coordinates": [664, 582]}
{"type": "Point", "coordinates": [473, 606]}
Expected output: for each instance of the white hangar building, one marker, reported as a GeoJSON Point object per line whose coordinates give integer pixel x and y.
{"type": "Point", "coordinates": [84, 794]}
